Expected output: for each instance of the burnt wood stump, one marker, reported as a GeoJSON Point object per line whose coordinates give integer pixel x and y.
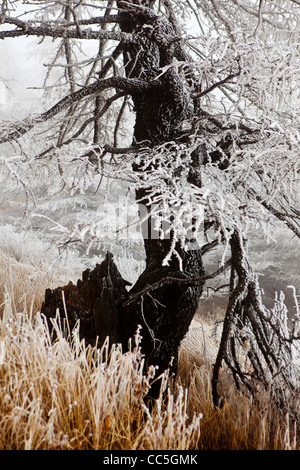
{"type": "Point", "coordinates": [94, 301]}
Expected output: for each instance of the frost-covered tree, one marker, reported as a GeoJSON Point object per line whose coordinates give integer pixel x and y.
{"type": "Point", "coordinates": [190, 108]}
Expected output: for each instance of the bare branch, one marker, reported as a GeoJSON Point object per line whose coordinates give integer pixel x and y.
{"type": "Point", "coordinates": [129, 85]}
{"type": "Point", "coordinates": [187, 280]}
{"type": "Point", "coordinates": [216, 85]}
{"type": "Point", "coordinates": [45, 30]}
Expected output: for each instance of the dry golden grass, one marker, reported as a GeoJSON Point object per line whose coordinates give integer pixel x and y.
{"type": "Point", "coordinates": [69, 396]}
{"type": "Point", "coordinates": [23, 283]}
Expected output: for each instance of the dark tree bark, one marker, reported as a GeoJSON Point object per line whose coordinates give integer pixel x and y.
{"type": "Point", "coordinates": [94, 301]}
{"type": "Point", "coordinates": [166, 313]}
{"type": "Point", "coordinates": [165, 316]}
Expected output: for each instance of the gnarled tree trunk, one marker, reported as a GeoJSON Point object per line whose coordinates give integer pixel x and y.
{"type": "Point", "coordinates": [166, 313]}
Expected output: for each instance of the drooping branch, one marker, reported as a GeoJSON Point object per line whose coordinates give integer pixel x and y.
{"type": "Point", "coordinates": [234, 298]}
{"type": "Point", "coordinates": [256, 344]}
{"type": "Point", "coordinates": [286, 218]}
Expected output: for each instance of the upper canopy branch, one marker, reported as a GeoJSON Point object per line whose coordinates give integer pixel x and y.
{"type": "Point", "coordinates": [27, 28]}
{"type": "Point", "coordinates": [66, 24]}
